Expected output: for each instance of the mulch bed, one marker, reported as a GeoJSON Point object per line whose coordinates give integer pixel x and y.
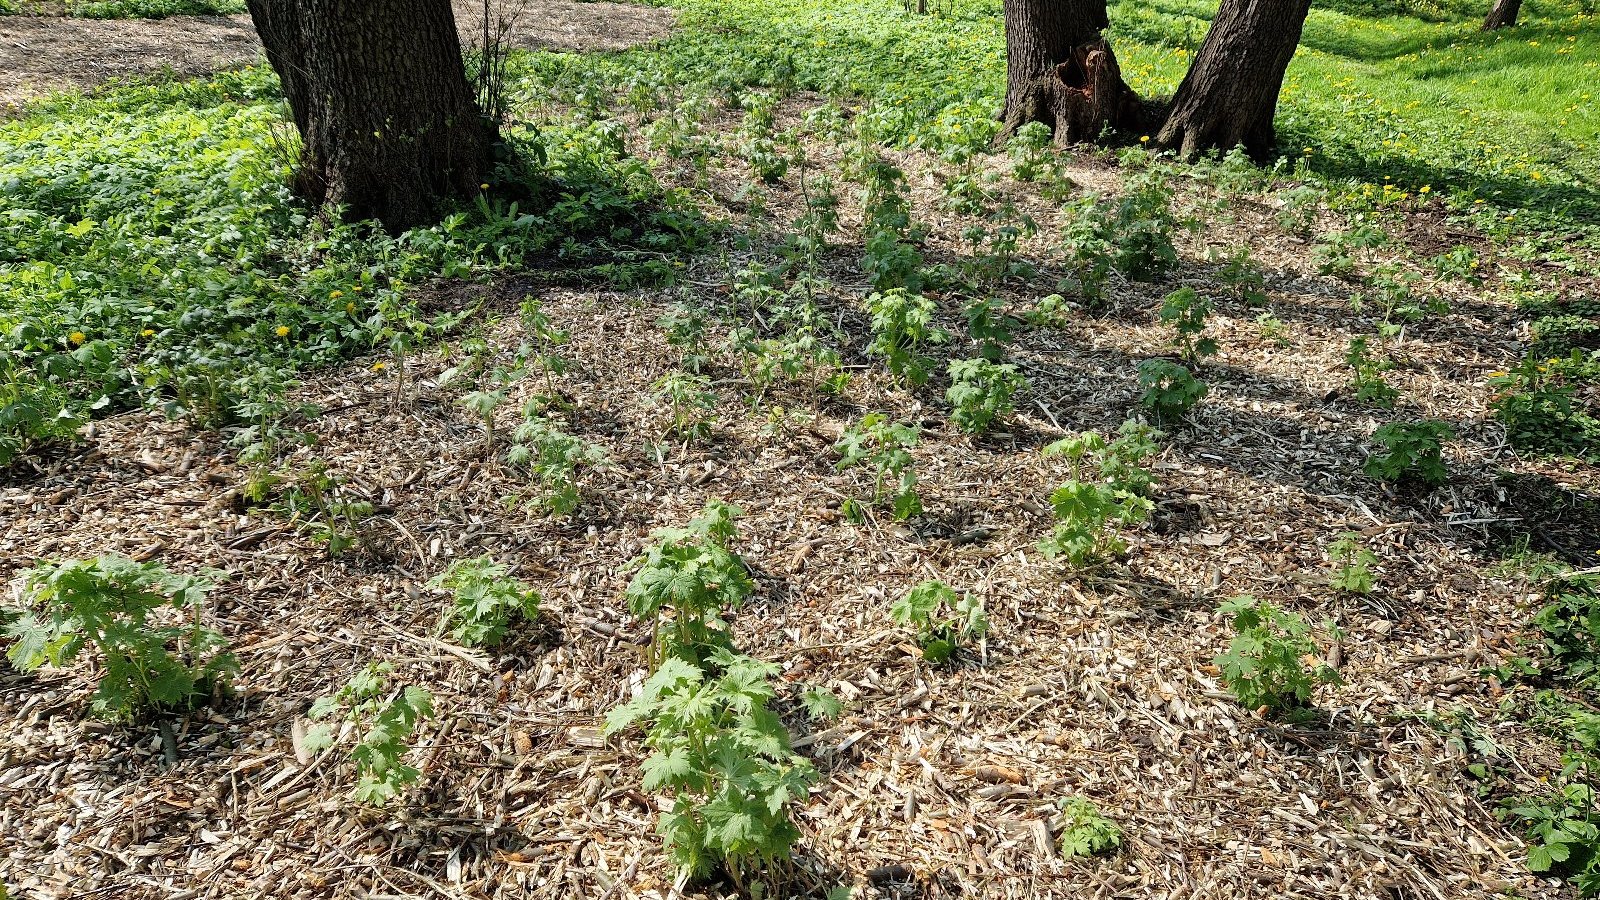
{"type": "Point", "coordinates": [1095, 684]}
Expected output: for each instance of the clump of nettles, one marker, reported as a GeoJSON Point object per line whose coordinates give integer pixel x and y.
{"type": "Point", "coordinates": [142, 620]}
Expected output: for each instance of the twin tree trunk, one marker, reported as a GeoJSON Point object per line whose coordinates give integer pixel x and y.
{"type": "Point", "coordinates": [388, 122]}
{"type": "Point", "coordinates": [1230, 95]}
{"type": "Point", "coordinates": [1060, 70]}
{"type": "Point", "coordinates": [1502, 15]}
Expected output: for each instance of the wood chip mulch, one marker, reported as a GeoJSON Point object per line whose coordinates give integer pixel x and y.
{"type": "Point", "coordinates": [936, 782]}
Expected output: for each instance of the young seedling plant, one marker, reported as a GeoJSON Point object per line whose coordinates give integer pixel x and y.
{"type": "Point", "coordinates": [980, 391]}
{"type": "Point", "coordinates": [691, 403]}
{"type": "Point", "coordinates": [1352, 564]}
{"type": "Point", "coordinates": [725, 757]}
{"type": "Point", "coordinates": [1367, 383]}
{"type": "Point", "coordinates": [1107, 489]}
{"type": "Point", "coordinates": [107, 604]}
{"type": "Point", "coordinates": [885, 447]}
{"type": "Point", "coordinates": [901, 326]}
{"type": "Point", "coordinates": [319, 502]}
{"type": "Point", "coordinates": [542, 340]}
{"type": "Point", "coordinates": [1084, 830]}
{"type": "Point", "coordinates": [1186, 312]}
{"type": "Point", "coordinates": [553, 457]}
{"type": "Point", "coordinates": [1410, 450]}
{"type": "Point", "coordinates": [1170, 389]}
{"type": "Point", "coordinates": [387, 718]}
{"type": "Point", "coordinates": [487, 600]}
{"type": "Point", "coordinates": [1265, 665]}
{"type": "Point", "coordinates": [685, 582]}
{"type": "Point", "coordinates": [942, 619]}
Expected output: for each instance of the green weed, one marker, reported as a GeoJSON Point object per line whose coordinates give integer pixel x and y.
{"type": "Point", "coordinates": [1263, 666]}
{"type": "Point", "coordinates": [106, 603]}
{"type": "Point", "coordinates": [940, 636]}
{"type": "Point", "coordinates": [885, 447]}
{"type": "Point", "coordinates": [980, 391]}
{"type": "Point", "coordinates": [386, 726]}
{"type": "Point", "coordinates": [1410, 450]}
{"type": "Point", "coordinates": [486, 599]}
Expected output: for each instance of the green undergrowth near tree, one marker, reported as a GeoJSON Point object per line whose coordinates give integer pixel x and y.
{"type": "Point", "coordinates": [151, 253]}
{"type": "Point", "coordinates": [155, 9]}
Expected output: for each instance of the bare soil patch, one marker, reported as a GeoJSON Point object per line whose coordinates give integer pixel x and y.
{"type": "Point", "coordinates": [40, 54]}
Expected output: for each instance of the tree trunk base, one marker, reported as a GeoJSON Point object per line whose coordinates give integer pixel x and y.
{"type": "Point", "coordinates": [1190, 132]}
{"type": "Point", "coordinates": [1079, 99]}
{"type": "Point", "coordinates": [389, 126]}
{"type": "Point", "coordinates": [1502, 15]}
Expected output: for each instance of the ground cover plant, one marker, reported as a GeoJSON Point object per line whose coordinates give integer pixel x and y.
{"type": "Point", "coordinates": [722, 299]}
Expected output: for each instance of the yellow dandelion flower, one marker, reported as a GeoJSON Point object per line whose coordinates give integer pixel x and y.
{"type": "Point", "coordinates": [77, 337]}
{"type": "Point", "coordinates": [350, 308]}
{"type": "Point", "coordinates": [334, 295]}
{"type": "Point", "coordinates": [281, 331]}
{"type": "Point", "coordinates": [148, 332]}
{"type": "Point", "coordinates": [379, 366]}
{"type": "Point", "coordinates": [1425, 189]}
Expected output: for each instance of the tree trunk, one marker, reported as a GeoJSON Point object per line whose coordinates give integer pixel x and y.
{"type": "Point", "coordinates": [387, 120]}
{"type": "Point", "coordinates": [1230, 94]}
{"type": "Point", "coordinates": [1060, 71]}
{"type": "Point", "coordinates": [1503, 14]}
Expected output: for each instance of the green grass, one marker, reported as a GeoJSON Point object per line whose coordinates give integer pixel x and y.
{"type": "Point", "coordinates": [135, 9]}
{"type": "Point", "coordinates": [1422, 98]}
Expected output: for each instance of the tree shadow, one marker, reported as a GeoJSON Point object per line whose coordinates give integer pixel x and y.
{"type": "Point", "coordinates": [1339, 160]}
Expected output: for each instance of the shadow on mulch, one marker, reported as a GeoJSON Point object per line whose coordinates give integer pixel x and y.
{"type": "Point", "coordinates": [897, 881]}
{"type": "Point", "coordinates": [48, 460]}
{"type": "Point", "coordinates": [1541, 514]}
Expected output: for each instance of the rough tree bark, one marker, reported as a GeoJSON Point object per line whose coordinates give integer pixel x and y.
{"type": "Point", "coordinates": [1230, 93]}
{"type": "Point", "coordinates": [1061, 71]}
{"type": "Point", "coordinates": [388, 122]}
{"type": "Point", "coordinates": [1502, 15]}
